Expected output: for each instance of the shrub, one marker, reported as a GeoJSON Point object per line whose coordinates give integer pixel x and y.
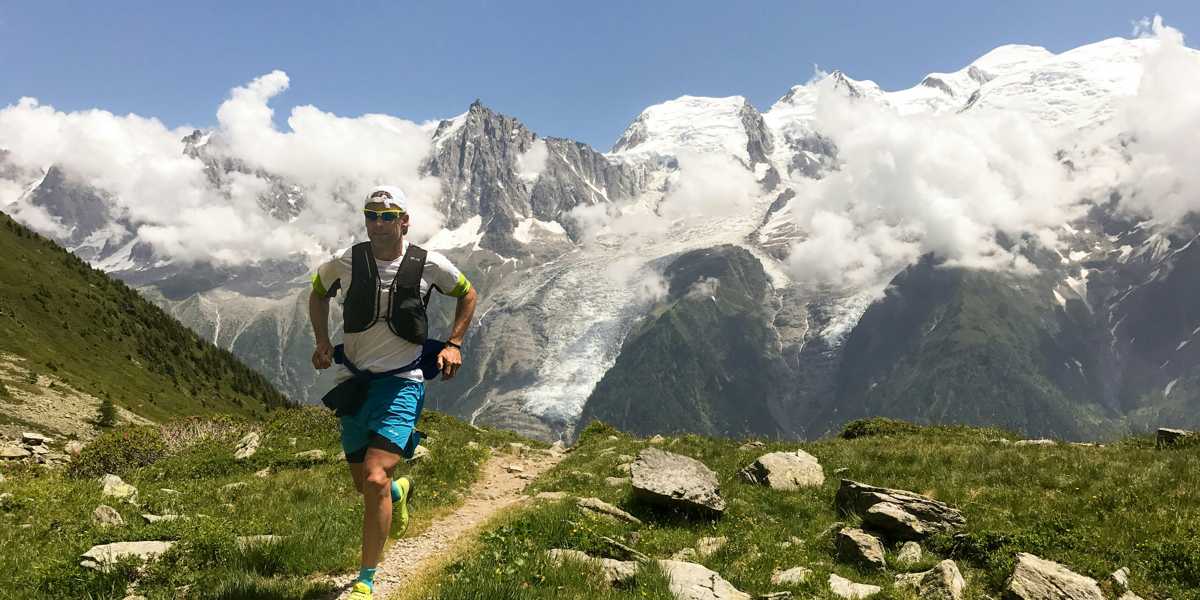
{"type": "Point", "coordinates": [183, 433]}
{"type": "Point", "coordinates": [876, 426]}
{"type": "Point", "coordinates": [119, 451]}
{"type": "Point", "coordinates": [106, 415]}
{"type": "Point", "coordinates": [597, 429]}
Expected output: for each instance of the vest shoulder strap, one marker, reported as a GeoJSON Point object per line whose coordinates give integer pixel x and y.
{"type": "Point", "coordinates": [412, 267]}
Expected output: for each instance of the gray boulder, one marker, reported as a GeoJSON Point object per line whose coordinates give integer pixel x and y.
{"type": "Point", "coordinates": [598, 506]}
{"type": "Point", "coordinates": [1170, 437]}
{"type": "Point", "coordinates": [942, 582]}
{"type": "Point", "coordinates": [614, 571]}
{"type": "Point", "coordinates": [107, 516]}
{"type": "Point", "coordinates": [34, 439]}
{"type": "Point", "coordinates": [1039, 579]}
{"type": "Point", "coordinates": [894, 522]}
{"type": "Point", "coordinates": [13, 452]}
{"type": "Point", "coordinates": [690, 581]}
{"type": "Point", "coordinates": [844, 588]}
{"type": "Point", "coordinates": [855, 497]}
{"type": "Point", "coordinates": [793, 576]}
{"type": "Point", "coordinates": [103, 557]}
{"type": "Point", "coordinates": [785, 471]}
{"type": "Point", "coordinates": [858, 546]}
{"type": "Point", "coordinates": [675, 481]}
{"type": "Point", "coordinates": [247, 446]}
{"type": "Point", "coordinates": [910, 552]}
{"type": "Point", "coordinates": [114, 487]}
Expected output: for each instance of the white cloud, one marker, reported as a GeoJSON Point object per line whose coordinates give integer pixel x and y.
{"type": "Point", "coordinates": [139, 162]}
{"type": "Point", "coordinates": [703, 288]}
{"type": "Point", "coordinates": [532, 162]}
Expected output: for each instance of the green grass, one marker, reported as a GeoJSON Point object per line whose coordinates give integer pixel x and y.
{"type": "Point", "coordinates": [98, 335]}
{"type": "Point", "coordinates": [1093, 509]}
{"type": "Point", "coordinates": [313, 505]}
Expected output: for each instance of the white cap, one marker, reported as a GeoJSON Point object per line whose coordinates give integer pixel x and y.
{"type": "Point", "coordinates": [397, 197]}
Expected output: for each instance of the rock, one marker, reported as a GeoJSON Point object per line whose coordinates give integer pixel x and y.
{"type": "Point", "coordinates": [841, 471]}
{"type": "Point", "coordinates": [942, 582]}
{"type": "Point", "coordinates": [1120, 579]}
{"type": "Point", "coordinates": [626, 468]}
{"type": "Point", "coordinates": [310, 455]}
{"type": "Point", "coordinates": [657, 439]}
{"type": "Point", "coordinates": [775, 596]}
{"type": "Point", "coordinates": [263, 473]}
{"type": "Point", "coordinates": [1042, 442]}
{"type": "Point", "coordinates": [1170, 437]}
{"type": "Point", "coordinates": [624, 458]}
{"type": "Point", "coordinates": [785, 471]}
{"type": "Point", "coordinates": [34, 439]}
{"type": "Point", "coordinates": [909, 553]}
{"type": "Point", "coordinates": [845, 588]}
{"type": "Point", "coordinates": [616, 481]}
{"type": "Point", "coordinates": [420, 453]}
{"type": "Point", "coordinates": [793, 576]}
{"type": "Point", "coordinates": [114, 487]}
{"type": "Point", "coordinates": [107, 516]}
{"type": "Point", "coordinates": [628, 551]}
{"type": "Point", "coordinates": [38, 450]}
{"type": "Point", "coordinates": [514, 469]}
{"type": "Point", "coordinates": [160, 518]}
{"type": "Point", "coordinates": [710, 545]}
{"type": "Point", "coordinates": [245, 542]}
{"type": "Point", "coordinates": [247, 446]}
{"type": "Point", "coordinates": [13, 452]}
{"type": "Point", "coordinates": [751, 445]}
{"type": "Point", "coordinates": [517, 448]}
{"type": "Point", "coordinates": [894, 522]}
{"type": "Point", "coordinates": [1038, 579]}
{"type": "Point", "coordinates": [551, 496]}
{"type": "Point", "coordinates": [103, 557]}
{"type": "Point", "coordinates": [599, 506]}
{"type": "Point", "coordinates": [676, 481]}
{"type": "Point", "coordinates": [934, 516]}
{"type": "Point", "coordinates": [169, 491]}
{"type": "Point", "coordinates": [615, 571]}
{"type": "Point", "coordinates": [613, 438]}
{"type": "Point", "coordinates": [292, 442]}
{"type": "Point", "coordinates": [558, 447]}
{"type": "Point", "coordinates": [686, 555]}
{"type": "Point", "coordinates": [690, 581]}
{"type": "Point", "coordinates": [858, 546]}
{"type": "Point", "coordinates": [909, 580]}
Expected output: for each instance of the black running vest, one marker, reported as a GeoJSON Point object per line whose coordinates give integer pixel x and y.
{"type": "Point", "coordinates": [406, 309]}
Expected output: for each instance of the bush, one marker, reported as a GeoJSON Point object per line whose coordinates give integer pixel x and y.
{"type": "Point", "coordinates": [876, 426]}
{"type": "Point", "coordinates": [106, 415]}
{"type": "Point", "coordinates": [597, 429]}
{"type": "Point", "coordinates": [183, 433]}
{"type": "Point", "coordinates": [119, 451]}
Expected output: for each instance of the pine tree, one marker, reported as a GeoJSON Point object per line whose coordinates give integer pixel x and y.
{"type": "Point", "coordinates": [106, 416]}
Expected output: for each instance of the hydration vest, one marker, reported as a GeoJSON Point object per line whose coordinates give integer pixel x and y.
{"type": "Point", "coordinates": [405, 314]}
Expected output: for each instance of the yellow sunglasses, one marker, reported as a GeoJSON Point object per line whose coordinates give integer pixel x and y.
{"type": "Point", "coordinates": [388, 215]}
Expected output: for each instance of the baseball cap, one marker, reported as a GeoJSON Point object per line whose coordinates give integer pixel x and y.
{"type": "Point", "coordinates": [397, 196]}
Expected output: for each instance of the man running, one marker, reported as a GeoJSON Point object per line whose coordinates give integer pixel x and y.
{"type": "Point", "coordinates": [385, 284]}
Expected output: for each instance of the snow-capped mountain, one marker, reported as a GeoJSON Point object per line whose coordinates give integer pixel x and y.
{"type": "Point", "coordinates": [597, 276]}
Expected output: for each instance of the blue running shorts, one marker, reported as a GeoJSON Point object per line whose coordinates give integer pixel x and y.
{"type": "Point", "coordinates": [391, 411]}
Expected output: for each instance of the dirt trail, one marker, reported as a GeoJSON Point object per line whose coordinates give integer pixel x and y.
{"type": "Point", "coordinates": [496, 489]}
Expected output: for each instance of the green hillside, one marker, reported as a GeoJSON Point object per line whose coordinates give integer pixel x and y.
{"type": "Point", "coordinates": [97, 335]}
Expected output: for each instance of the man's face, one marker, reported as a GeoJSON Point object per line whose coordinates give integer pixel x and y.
{"type": "Point", "coordinates": [381, 231]}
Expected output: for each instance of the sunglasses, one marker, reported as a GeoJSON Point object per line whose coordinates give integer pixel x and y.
{"type": "Point", "coordinates": [387, 215]}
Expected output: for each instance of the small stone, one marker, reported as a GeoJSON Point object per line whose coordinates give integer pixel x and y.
{"type": "Point", "coordinates": [1120, 579]}
{"type": "Point", "coordinates": [13, 452]}
{"type": "Point", "coordinates": [311, 455]}
{"type": "Point", "coordinates": [615, 571]}
{"type": "Point", "coordinates": [551, 496]}
{"type": "Point", "coordinates": [160, 518]}
{"type": "Point", "coordinates": [247, 446]}
{"type": "Point", "coordinates": [616, 481]}
{"type": "Point", "coordinates": [793, 576]}
{"type": "Point", "coordinates": [708, 546]}
{"type": "Point", "coordinates": [909, 553]}
{"type": "Point", "coordinates": [751, 445]}
{"type": "Point", "coordinates": [114, 487]}
{"type": "Point", "coordinates": [856, 545]}
{"type": "Point", "coordinates": [657, 439]}
{"type": "Point", "coordinates": [34, 439]}
{"type": "Point", "coordinates": [1041, 442]}
{"type": "Point", "coordinates": [845, 588]}
{"type": "Point", "coordinates": [264, 473]}
{"type": "Point", "coordinates": [599, 506]}
{"type": "Point", "coordinates": [103, 557]}
{"type": "Point", "coordinates": [169, 491]}
{"type": "Point", "coordinates": [107, 516]}
{"type": "Point", "coordinates": [292, 442]}
{"type": "Point", "coordinates": [420, 453]}
{"type": "Point", "coordinates": [626, 468]}
{"type": "Point", "coordinates": [514, 469]}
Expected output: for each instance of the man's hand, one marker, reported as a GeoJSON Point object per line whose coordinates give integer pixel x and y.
{"type": "Point", "coordinates": [449, 360]}
{"type": "Point", "coordinates": [322, 357]}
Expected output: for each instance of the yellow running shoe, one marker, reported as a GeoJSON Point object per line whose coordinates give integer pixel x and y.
{"type": "Point", "coordinates": [406, 493]}
{"type": "Point", "coordinates": [360, 591]}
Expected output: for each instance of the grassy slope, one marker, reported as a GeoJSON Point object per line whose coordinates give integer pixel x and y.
{"type": "Point", "coordinates": [1093, 509]}
{"type": "Point", "coordinates": [98, 335]}
{"type": "Point", "coordinates": [312, 504]}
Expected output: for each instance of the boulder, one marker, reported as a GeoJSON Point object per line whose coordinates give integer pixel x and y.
{"type": "Point", "coordinates": [707, 546]}
{"type": "Point", "coordinates": [909, 553]}
{"type": "Point", "coordinates": [855, 497]}
{"type": "Point", "coordinates": [676, 481]}
{"type": "Point", "coordinates": [103, 557]}
{"type": "Point", "coordinates": [34, 439]}
{"type": "Point", "coordinates": [844, 588]}
{"type": "Point", "coordinates": [310, 455]}
{"type": "Point", "coordinates": [894, 522]}
{"type": "Point", "coordinates": [1170, 437]}
{"type": "Point", "coordinates": [247, 446]}
{"type": "Point", "coordinates": [13, 452]}
{"type": "Point", "coordinates": [616, 481]}
{"type": "Point", "coordinates": [1039, 579]}
{"type": "Point", "coordinates": [38, 450]}
{"type": "Point", "coordinates": [73, 447]}
{"type": "Point", "coordinates": [690, 581]}
{"type": "Point", "coordinates": [657, 439]}
{"type": "Point", "coordinates": [785, 471]}
{"type": "Point", "coordinates": [793, 576]}
{"type": "Point", "coordinates": [1041, 442]}
{"type": "Point", "coordinates": [615, 571]}
{"type": "Point", "coordinates": [149, 518]}
{"type": "Point", "coordinates": [107, 516]}
{"type": "Point", "coordinates": [420, 453]}
{"type": "Point", "coordinates": [114, 487]}
{"type": "Point", "coordinates": [858, 546]}
{"type": "Point", "coordinates": [599, 506]}
{"type": "Point", "coordinates": [942, 582]}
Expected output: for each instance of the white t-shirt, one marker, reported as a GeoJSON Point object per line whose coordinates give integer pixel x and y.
{"type": "Point", "coordinates": [378, 349]}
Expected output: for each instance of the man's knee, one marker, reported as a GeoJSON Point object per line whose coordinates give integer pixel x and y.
{"type": "Point", "coordinates": [376, 481]}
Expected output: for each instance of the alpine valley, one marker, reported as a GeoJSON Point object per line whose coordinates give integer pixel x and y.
{"type": "Point", "coordinates": [603, 298]}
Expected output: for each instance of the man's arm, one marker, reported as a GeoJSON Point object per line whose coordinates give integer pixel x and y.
{"type": "Point", "coordinates": [450, 359]}
{"type": "Point", "coordinates": [318, 314]}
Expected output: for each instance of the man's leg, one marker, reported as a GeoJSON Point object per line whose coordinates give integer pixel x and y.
{"type": "Point", "coordinates": [357, 474]}
{"type": "Point", "coordinates": [377, 503]}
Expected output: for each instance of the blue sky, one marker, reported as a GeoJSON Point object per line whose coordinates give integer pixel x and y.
{"type": "Point", "coordinates": [582, 70]}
